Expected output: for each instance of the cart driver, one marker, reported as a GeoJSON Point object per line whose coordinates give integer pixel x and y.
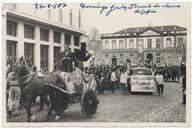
{"type": "Point", "coordinates": [66, 64]}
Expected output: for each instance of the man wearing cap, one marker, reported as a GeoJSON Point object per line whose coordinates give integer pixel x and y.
{"type": "Point", "coordinates": [66, 64]}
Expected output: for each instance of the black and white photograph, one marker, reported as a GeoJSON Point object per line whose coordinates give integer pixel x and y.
{"type": "Point", "coordinates": [105, 63]}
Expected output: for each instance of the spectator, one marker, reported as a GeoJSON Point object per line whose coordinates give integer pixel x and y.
{"type": "Point", "coordinates": [118, 73]}
{"type": "Point", "coordinates": [14, 94]}
{"type": "Point", "coordinates": [184, 90]}
{"type": "Point", "coordinates": [159, 79]}
{"type": "Point", "coordinates": [113, 80]}
{"type": "Point", "coordinates": [184, 83]}
{"type": "Point", "coordinates": [8, 67]}
{"type": "Point", "coordinates": [123, 81]}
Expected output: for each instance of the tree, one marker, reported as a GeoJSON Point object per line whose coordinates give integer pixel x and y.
{"type": "Point", "coordinates": [94, 34]}
{"type": "Point", "coordinates": [95, 42]}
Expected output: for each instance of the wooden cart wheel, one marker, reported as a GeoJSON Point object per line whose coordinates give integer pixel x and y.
{"type": "Point", "coordinates": [89, 103]}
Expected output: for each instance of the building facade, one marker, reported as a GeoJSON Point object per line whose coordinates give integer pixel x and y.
{"type": "Point", "coordinates": [40, 34]}
{"type": "Point", "coordinates": [161, 45]}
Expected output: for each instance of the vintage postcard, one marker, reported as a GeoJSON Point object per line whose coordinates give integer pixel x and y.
{"type": "Point", "coordinates": [96, 64]}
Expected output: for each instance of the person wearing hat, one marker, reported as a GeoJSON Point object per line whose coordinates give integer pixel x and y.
{"type": "Point", "coordinates": [81, 56]}
{"type": "Point", "coordinates": [66, 64]}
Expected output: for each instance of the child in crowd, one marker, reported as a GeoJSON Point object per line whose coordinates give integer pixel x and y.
{"type": "Point", "coordinates": [123, 81]}
{"type": "Point", "coordinates": [159, 80]}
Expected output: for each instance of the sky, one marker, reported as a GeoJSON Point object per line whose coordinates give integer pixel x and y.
{"type": "Point", "coordinates": [120, 19]}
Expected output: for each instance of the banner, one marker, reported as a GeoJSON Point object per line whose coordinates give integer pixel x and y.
{"type": "Point", "coordinates": [141, 83]}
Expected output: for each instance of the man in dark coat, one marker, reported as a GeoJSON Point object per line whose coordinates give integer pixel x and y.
{"type": "Point", "coordinates": [81, 56]}
{"type": "Point", "coordinates": [66, 65]}
{"type": "Point", "coordinates": [183, 71]}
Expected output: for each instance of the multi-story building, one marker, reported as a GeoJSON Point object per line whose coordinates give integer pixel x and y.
{"type": "Point", "coordinates": [161, 45]}
{"type": "Point", "coordinates": [40, 34]}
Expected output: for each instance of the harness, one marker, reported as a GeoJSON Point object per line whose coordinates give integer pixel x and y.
{"type": "Point", "coordinates": [27, 78]}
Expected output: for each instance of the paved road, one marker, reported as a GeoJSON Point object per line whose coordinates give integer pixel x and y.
{"type": "Point", "coordinates": [126, 108]}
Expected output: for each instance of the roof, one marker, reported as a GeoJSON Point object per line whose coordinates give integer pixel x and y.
{"type": "Point", "coordinates": [158, 29]}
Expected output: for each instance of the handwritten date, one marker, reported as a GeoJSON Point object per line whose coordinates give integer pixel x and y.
{"type": "Point", "coordinates": [50, 5]}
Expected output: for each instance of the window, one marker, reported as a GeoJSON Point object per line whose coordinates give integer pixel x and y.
{"type": "Point", "coordinates": [67, 39]}
{"type": "Point", "coordinates": [56, 55]}
{"type": "Point", "coordinates": [131, 54]}
{"type": "Point", "coordinates": [140, 40]}
{"type": "Point", "coordinates": [158, 58]}
{"type": "Point", "coordinates": [180, 41]}
{"type": "Point", "coordinates": [11, 28]}
{"type": "Point", "coordinates": [76, 40]}
{"type": "Point", "coordinates": [44, 34]}
{"type": "Point", "coordinates": [29, 53]}
{"type": "Point", "coordinates": [113, 44]}
{"type": "Point", "coordinates": [131, 43]}
{"type": "Point", "coordinates": [44, 56]}
{"type": "Point", "coordinates": [106, 55]}
{"type": "Point", "coordinates": [57, 37]}
{"type": "Point", "coordinates": [29, 31]}
{"type": "Point", "coordinates": [106, 44]}
{"type": "Point", "coordinates": [168, 42]}
{"type": "Point", "coordinates": [149, 43]}
{"type": "Point", "coordinates": [11, 51]}
{"type": "Point", "coordinates": [158, 43]}
{"type": "Point", "coordinates": [71, 17]}
{"type": "Point", "coordinates": [121, 46]}
{"type": "Point", "coordinates": [79, 18]}
{"type": "Point", "coordinates": [121, 54]}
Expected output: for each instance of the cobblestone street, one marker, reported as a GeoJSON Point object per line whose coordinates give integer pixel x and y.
{"type": "Point", "coordinates": [126, 108]}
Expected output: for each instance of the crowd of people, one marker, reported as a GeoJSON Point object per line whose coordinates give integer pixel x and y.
{"type": "Point", "coordinates": [171, 73]}
{"type": "Point", "coordinates": [110, 78]}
